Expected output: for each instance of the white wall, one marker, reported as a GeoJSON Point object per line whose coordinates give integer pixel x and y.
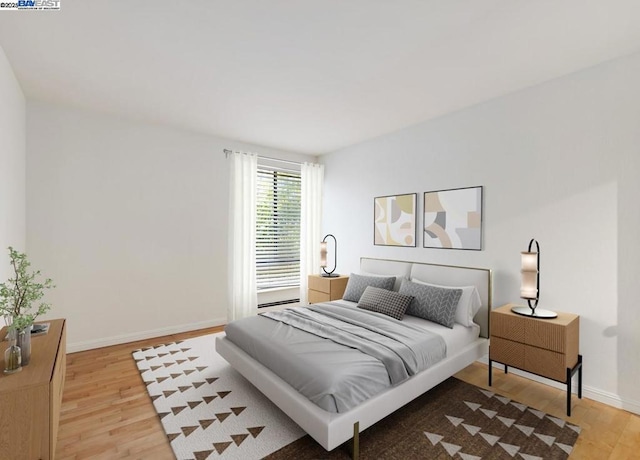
{"type": "Point", "coordinates": [130, 221]}
{"type": "Point", "coordinates": [559, 162]}
{"type": "Point", "coordinates": [12, 166]}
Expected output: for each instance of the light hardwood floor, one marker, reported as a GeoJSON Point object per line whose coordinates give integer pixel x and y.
{"type": "Point", "coordinates": [106, 410]}
{"type": "Point", "coordinates": [607, 433]}
{"type": "Point", "coordinates": [107, 413]}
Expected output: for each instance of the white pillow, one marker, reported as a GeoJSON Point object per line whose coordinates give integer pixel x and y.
{"type": "Point", "coordinates": [396, 285]}
{"type": "Point", "coordinates": [468, 305]}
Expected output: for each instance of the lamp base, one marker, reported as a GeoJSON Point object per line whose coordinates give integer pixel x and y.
{"type": "Point", "coordinates": [537, 313]}
{"type": "Point", "coordinates": [329, 275]}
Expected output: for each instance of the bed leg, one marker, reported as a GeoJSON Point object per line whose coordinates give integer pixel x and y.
{"type": "Point", "coordinates": [356, 441]}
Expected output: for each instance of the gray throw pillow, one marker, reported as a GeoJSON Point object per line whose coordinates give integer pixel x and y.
{"type": "Point", "coordinates": [432, 303]}
{"type": "Point", "coordinates": [358, 283]}
{"type": "Point", "coordinates": [389, 303]}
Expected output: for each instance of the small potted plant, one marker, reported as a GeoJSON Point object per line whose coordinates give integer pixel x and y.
{"type": "Point", "coordinates": [20, 300]}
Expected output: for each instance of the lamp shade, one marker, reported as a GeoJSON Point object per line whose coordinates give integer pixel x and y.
{"type": "Point", "coordinates": [323, 254]}
{"type": "Point", "coordinates": [529, 273]}
{"type": "Point", "coordinates": [529, 261]}
{"type": "Point", "coordinates": [529, 285]}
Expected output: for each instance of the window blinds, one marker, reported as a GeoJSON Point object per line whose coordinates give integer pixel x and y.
{"type": "Point", "coordinates": [277, 228]}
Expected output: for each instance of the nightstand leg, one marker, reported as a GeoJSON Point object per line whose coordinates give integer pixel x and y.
{"type": "Point", "coordinates": [580, 376]}
{"type": "Point", "coordinates": [568, 392]}
{"type": "Point", "coordinates": [570, 373]}
{"type": "Point", "coordinates": [490, 371]}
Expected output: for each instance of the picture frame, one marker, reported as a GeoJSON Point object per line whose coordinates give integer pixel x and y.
{"type": "Point", "coordinates": [395, 220]}
{"type": "Point", "coordinates": [452, 219]}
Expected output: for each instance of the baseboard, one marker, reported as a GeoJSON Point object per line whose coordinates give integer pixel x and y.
{"type": "Point", "coordinates": [611, 399]}
{"type": "Point", "coordinates": [142, 335]}
{"type": "Point", "coordinates": [588, 392]}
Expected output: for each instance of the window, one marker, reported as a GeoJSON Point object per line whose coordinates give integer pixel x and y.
{"type": "Point", "coordinates": [278, 230]}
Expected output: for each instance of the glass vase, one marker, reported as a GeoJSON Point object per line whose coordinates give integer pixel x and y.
{"type": "Point", "coordinates": [24, 342]}
{"type": "Point", "coordinates": [12, 355]}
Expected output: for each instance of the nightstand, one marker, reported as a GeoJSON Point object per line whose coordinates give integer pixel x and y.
{"type": "Point", "coordinates": [545, 347]}
{"type": "Point", "coordinates": [324, 289]}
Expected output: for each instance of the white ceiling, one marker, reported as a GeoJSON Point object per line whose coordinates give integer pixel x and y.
{"type": "Point", "coordinates": [310, 76]}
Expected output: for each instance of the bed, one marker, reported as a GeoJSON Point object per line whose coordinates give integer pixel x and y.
{"type": "Point", "coordinates": [331, 429]}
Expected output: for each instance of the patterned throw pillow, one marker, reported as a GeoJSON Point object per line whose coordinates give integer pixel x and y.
{"type": "Point", "coordinates": [389, 303]}
{"type": "Point", "coordinates": [468, 305]}
{"type": "Point", "coordinates": [432, 303]}
{"type": "Point", "coordinates": [396, 284]}
{"type": "Point", "coordinates": [358, 283]}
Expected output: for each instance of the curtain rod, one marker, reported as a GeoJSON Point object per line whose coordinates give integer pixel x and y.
{"type": "Point", "coordinates": [227, 152]}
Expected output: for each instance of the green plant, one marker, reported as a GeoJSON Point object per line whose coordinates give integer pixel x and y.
{"type": "Point", "coordinates": [19, 296]}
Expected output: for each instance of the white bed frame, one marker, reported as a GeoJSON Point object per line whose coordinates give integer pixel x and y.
{"type": "Point", "coordinates": [333, 429]}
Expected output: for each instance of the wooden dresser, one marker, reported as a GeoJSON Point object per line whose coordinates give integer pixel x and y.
{"type": "Point", "coordinates": [30, 400]}
{"type": "Point", "coordinates": [546, 347]}
{"type": "Point", "coordinates": [324, 289]}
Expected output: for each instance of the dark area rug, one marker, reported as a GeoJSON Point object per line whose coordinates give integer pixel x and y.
{"type": "Point", "coordinates": [454, 420]}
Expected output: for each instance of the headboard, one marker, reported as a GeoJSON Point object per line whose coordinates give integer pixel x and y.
{"type": "Point", "coordinates": [446, 275]}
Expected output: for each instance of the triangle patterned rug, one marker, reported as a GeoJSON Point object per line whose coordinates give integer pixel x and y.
{"type": "Point", "coordinates": [208, 411]}
{"type": "Point", "coordinates": [454, 420]}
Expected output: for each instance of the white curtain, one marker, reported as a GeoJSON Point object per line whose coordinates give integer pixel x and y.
{"type": "Point", "coordinates": [243, 178]}
{"type": "Point", "coordinates": [312, 176]}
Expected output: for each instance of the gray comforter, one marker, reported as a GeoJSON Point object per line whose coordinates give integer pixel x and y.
{"type": "Point", "coordinates": [337, 356]}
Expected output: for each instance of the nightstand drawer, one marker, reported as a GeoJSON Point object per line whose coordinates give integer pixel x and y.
{"type": "Point", "coordinates": [562, 338]}
{"type": "Point", "coordinates": [560, 334]}
{"type": "Point", "coordinates": [546, 363]}
{"type": "Point", "coordinates": [319, 283]}
{"type": "Point", "coordinates": [317, 296]}
{"type": "Point", "coordinates": [508, 326]}
{"type": "Point", "coordinates": [507, 352]}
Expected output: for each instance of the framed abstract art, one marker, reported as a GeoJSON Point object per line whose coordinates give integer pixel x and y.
{"type": "Point", "coordinates": [453, 219]}
{"type": "Point", "coordinates": [394, 222]}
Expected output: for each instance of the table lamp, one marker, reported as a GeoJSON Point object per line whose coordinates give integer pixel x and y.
{"type": "Point", "coordinates": [530, 284]}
